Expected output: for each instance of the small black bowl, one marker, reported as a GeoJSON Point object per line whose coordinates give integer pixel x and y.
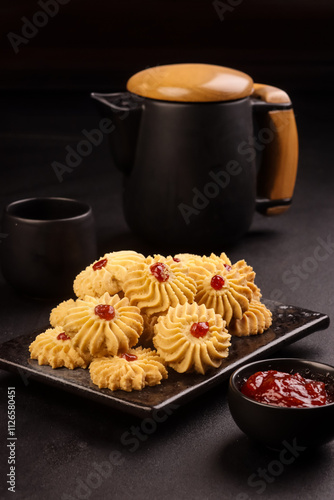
{"type": "Point", "coordinates": [273, 425]}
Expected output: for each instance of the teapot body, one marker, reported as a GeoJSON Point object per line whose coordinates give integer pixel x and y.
{"type": "Point", "coordinates": [192, 185]}
{"type": "Point", "coordinates": [183, 137]}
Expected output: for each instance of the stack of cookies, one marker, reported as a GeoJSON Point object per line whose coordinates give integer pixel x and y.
{"type": "Point", "coordinates": [136, 316]}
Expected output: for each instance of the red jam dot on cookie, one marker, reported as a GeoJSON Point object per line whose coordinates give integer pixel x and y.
{"type": "Point", "coordinates": [128, 356]}
{"type": "Point", "coordinates": [227, 267]}
{"type": "Point", "coordinates": [199, 329]}
{"type": "Point", "coordinates": [176, 259]}
{"type": "Point", "coordinates": [100, 264]}
{"type": "Point", "coordinates": [159, 271]}
{"type": "Point", "coordinates": [104, 311]}
{"type": "Point", "coordinates": [217, 282]}
{"type": "Point", "coordinates": [63, 336]}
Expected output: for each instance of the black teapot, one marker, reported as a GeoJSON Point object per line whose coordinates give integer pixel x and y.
{"type": "Point", "coordinates": [201, 147]}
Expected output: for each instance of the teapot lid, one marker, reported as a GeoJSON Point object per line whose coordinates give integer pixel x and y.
{"type": "Point", "coordinates": [191, 83]}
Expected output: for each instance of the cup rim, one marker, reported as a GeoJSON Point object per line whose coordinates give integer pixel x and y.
{"type": "Point", "coordinates": [233, 385]}
{"type": "Point", "coordinates": [86, 209]}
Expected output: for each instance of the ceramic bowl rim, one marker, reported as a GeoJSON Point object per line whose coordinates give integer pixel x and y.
{"type": "Point", "coordinates": [86, 209]}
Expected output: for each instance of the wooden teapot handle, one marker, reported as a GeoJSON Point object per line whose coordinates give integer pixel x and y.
{"type": "Point", "coordinates": [278, 170]}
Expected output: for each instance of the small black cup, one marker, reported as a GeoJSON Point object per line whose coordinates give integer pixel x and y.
{"type": "Point", "coordinates": [49, 241]}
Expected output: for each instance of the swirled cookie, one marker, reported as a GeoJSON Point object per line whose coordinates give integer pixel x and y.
{"type": "Point", "coordinates": [256, 320]}
{"type": "Point", "coordinates": [157, 284]}
{"type": "Point", "coordinates": [222, 262]}
{"type": "Point", "coordinates": [196, 263]}
{"type": "Point", "coordinates": [191, 338]}
{"type": "Point", "coordinates": [58, 314]}
{"type": "Point", "coordinates": [248, 272]}
{"type": "Point", "coordinates": [106, 274]}
{"type": "Point", "coordinates": [133, 370]}
{"type": "Point", "coordinates": [55, 348]}
{"type": "Point", "coordinates": [224, 289]}
{"type": "Point", "coordinates": [186, 258]}
{"type": "Point", "coordinates": [104, 326]}
{"type": "Point", "coordinates": [243, 268]}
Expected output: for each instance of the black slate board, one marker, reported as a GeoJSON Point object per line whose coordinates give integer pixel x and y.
{"type": "Point", "coordinates": [290, 323]}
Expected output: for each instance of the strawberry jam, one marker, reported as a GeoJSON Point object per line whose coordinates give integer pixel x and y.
{"type": "Point", "coordinates": [228, 267]}
{"type": "Point", "coordinates": [63, 336]}
{"type": "Point", "coordinates": [217, 282]}
{"type": "Point", "coordinates": [199, 329]}
{"type": "Point", "coordinates": [159, 271]}
{"type": "Point", "coordinates": [285, 389]}
{"type": "Point", "coordinates": [101, 263]}
{"type": "Point", "coordinates": [104, 311]}
{"type": "Point", "coordinates": [176, 259]}
{"type": "Point", "coordinates": [128, 356]}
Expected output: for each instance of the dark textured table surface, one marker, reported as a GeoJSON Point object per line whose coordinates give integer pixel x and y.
{"type": "Point", "coordinates": [71, 448]}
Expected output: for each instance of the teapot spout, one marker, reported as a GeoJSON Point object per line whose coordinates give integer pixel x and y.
{"type": "Point", "coordinates": [124, 110]}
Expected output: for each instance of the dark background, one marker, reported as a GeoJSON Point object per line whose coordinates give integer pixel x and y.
{"type": "Point", "coordinates": [45, 105]}
{"type": "Point", "coordinates": [100, 44]}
